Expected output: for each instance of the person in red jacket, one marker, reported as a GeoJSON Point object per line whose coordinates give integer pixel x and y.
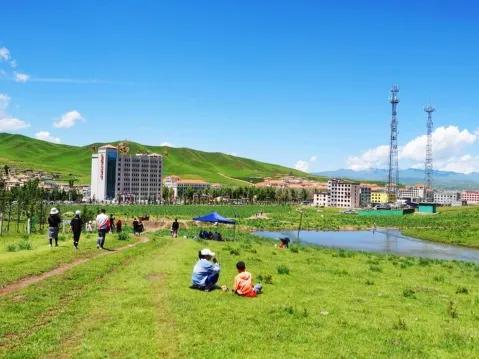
{"type": "Point", "coordinates": [243, 284]}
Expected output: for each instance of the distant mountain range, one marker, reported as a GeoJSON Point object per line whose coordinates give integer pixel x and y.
{"type": "Point", "coordinates": [441, 179]}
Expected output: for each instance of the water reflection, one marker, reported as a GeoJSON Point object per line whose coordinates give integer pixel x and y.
{"type": "Point", "coordinates": [379, 240]}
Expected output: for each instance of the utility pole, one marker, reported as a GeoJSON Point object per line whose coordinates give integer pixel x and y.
{"type": "Point", "coordinates": [428, 192]}
{"type": "Point", "coordinates": [393, 172]}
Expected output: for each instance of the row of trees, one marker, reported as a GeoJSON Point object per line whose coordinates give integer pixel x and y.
{"type": "Point", "coordinates": [247, 194]}
{"type": "Point", "coordinates": [29, 201]}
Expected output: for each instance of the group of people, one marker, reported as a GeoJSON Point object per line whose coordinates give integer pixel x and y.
{"type": "Point", "coordinates": [214, 236]}
{"type": "Point", "coordinates": [206, 273]}
{"type": "Point", "coordinates": [104, 225]}
{"type": "Point", "coordinates": [138, 226]}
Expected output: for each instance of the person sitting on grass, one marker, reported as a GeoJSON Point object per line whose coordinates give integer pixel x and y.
{"type": "Point", "coordinates": [243, 284]}
{"type": "Point", "coordinates": [206, 271]}
{"type": "Point", "coordinates": [284, 242]}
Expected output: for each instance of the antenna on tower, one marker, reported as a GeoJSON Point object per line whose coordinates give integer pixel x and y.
{"type": "Point", "coordinates": [393, 172]}
{"type": "Point", "coordinates": [428, 192]}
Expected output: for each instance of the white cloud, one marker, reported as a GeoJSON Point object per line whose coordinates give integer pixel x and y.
{"type": "Point", "coordinates": [11, 124]}
{"type": "Point", "coordinates": [166, 144]}
{"type": "Point", "coordinates": [313, 159]}
{"type": "Point", "coordinates": [7, 122]}
{"type": "Point", "coordinates": [46, 136]}
{"type": "Point", "coordinates": [463, 164]}
{"type": "Point", "coordinates": [4, 54]}
{"type": "Point", "coordinates": [21, 77]}
{"type": "Point", "coordinates": [373, 158]}
{"type": "Point", "coordinates": [446, 141]}
{"type": "Point", "coordinates": [302, 166]}
{"type": "Point", "coordinates": [448, 144]}
{"type": "Point", "coordinates": [69, 119]}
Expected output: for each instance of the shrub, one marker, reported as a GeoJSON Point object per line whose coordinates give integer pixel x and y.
{"type": "Point", "coordinates": [12, 247]}
{"type": "Point", "coordinates": [375, 268]}
{"type": "Point", "coordinates": [25, 245]}
{"type": "Point", "coordinates": [123, 236]}
{"type": "Point", "coordinates": [26, 236]}
{"type": "Point", "coordinates": [452, 310]}
{"type": "Point", "coordinates": [462, 290]}
{"type": "Point", "coordinates": [294, 249]}
{"type": "Point", "coordinates": [62, 237]}
{"type": "Point", "coordinates": [400, 325]}
{"type": "Point", "coordinates": [424, 261]}
{"type": "Point", "coordinates": [369, 282]}
{"type": "Point", "coordinates": [409, 293]}
{"type": "Point", "coordinates": [234, 252]}
{"type": "Point", "coordinates": [265, 278]}
{"type": "Point", "coordinates": [438, 278]}
{"type": "Point", "coordinates": [282, 269]}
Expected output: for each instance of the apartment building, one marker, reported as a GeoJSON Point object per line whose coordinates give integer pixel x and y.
{"type": "Point", "coordinates": [470, 197]}
{"type": "Point", "coordinates": [447, 197]}
{"type": "Point", "coordinates": [343, 194]}
{"type": "Point", "coordinates": [126, 178]}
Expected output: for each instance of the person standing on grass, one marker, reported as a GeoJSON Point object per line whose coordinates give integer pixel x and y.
{"type": "Point", "coordinates": [112, 223]}
{"type": "Point", "coordinates": [76, 225]}
{"type": "Point", "coordinates": [206, 271]}
{"type": "Point", "coordinates": [243, 284]}
{"type": "Point", "coordinates": [174, 228]}
{"type": "Point", "coordinates": [54, 221]}
{"type": "Point", "coordinates": [102, 223]}
{"type": "Point", "coordinates": [118, 226]}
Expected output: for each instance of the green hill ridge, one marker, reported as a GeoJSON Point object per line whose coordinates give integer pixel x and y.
{"type": "Point", "coordinates": [28, 153]}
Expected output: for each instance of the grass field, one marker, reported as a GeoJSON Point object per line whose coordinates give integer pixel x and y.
{"type": "Point", "coordinates": [137, 303]}
{"type": "Point", "coordinates": [24, 152]}
{"type": "Point", "coordinates": [317, 302]}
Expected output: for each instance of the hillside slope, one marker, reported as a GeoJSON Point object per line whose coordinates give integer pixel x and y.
{"type": "Point", "coordinates": [25, 152]}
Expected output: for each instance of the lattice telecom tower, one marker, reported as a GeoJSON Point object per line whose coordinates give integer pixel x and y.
{"type": "Point", "coordinates": [393, 173]}
{"type": "Point", "coordinates": [428, 193]}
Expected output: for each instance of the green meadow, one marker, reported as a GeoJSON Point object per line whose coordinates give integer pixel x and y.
{"type": "Point", "coordinates": [24, 152]}
{"type": "Point", "coordinates": [317, 302]}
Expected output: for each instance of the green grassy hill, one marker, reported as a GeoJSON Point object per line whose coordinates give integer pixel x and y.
{"type": "Point", "coordinates": [28, 153]}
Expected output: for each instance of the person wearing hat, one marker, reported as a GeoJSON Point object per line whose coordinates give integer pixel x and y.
{"type": "Point", "coordinates": [76, 225]}
{"type": "Point", "coordinates": [206, 271]}
{"type": "Point", "coordinates": [54, 221]}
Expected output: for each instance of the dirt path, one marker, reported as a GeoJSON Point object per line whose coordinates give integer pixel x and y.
{"type": "Point", "coordinates": [25, 282]}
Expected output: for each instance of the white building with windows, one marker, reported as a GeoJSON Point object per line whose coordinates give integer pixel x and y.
{"type": "Point", "coordinates": [126, 178]}
{"type": "Point", "coordinates": [321, 199]}
{"type": "Point", "coordinates": [343, 193]}
{"type": "Point", "coordinates": [447, 197]}
{"type": "Point", "coordinates": [180, 186]}
{"type": "Point", "coordinates": [413, 193]}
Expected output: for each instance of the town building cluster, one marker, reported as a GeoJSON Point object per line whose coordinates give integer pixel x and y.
{"type": "Point", "coordinates": [349, 194]}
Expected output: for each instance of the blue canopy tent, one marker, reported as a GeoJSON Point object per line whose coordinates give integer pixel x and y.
{"type": "Point", "coordinates": [215, 217]}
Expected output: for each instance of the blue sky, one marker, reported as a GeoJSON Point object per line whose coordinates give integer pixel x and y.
{"type": "Point", "coordinates": [300, 83]}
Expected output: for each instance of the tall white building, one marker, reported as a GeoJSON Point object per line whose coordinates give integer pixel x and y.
{"type": "Point", "coordinates": [125, 178]}
{"type": "Point", "coordinates": [343, 194]}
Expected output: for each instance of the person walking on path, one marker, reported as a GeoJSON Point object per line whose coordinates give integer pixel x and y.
{"type": "Point", "coordinates": [54, 221]}
{"type": "Point", "coordinates": [174, 228]}
{"type": "Point", "coordinates": [76, 225]}
{"type": "Point", "coordinates": [102, 223]}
